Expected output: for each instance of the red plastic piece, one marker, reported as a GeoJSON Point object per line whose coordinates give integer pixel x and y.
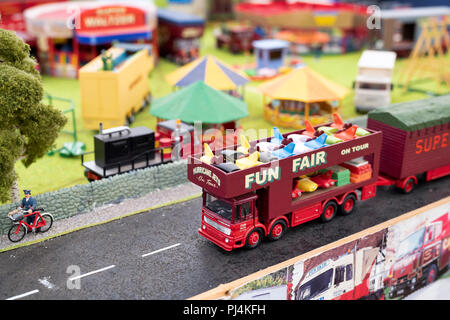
{"type": "Point", "coordinates": [324, 180]}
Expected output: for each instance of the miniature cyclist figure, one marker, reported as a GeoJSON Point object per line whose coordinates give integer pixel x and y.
{"type": "Point", "coordinates": [29, 204]}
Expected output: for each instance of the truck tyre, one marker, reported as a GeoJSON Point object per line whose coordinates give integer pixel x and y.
{"type": "Point", "coordinates": [348, 205]}
{"type": "Point", "coordinates": [254, 238]}
{"type": "Point", "coordinates": [432, 273]}
{"type": "Point", "coordinates": [409, 186]}
{"type": "Point", "coordinates": [278, 229]}
{"type": "Point", "coordinates": [329, 211]}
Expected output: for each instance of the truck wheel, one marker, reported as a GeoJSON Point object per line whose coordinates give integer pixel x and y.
{"type": "Point", "coordinates": [409, 186]}
{"type": "Point", "coordinates": [431, 274]}
{"type": "Point", "coordinates": [253, 239]}
{"type": "Point", "coordinates": [277, 231]}
{"type": "Point", "coordinates": [348, 205]}
{"type": "Point", "coordinates": [329, 211]}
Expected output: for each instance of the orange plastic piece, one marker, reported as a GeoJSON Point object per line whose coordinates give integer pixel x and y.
{"type": "Point", "coordinates": [309, 129]}
{"type": "Point", "coordinates": [337, 121]}
{"type": "Point", "coordinates": [348, 134]}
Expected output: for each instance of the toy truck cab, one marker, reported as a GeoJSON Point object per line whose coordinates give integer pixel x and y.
{"type": "Point", "coordinates": [231, 217]}
{"type": "Point", "coordinates": [373, 83]}
{"type": "Point", "coordinates": [420, 257]}
{"type": "Point", "coordinates": [242, 206]}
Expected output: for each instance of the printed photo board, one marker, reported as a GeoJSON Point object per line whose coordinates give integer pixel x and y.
{"type": "Point", "coordinates": [404, 258]}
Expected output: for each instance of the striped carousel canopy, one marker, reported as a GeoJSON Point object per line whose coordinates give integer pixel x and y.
{"type": "Point", "coordinates": [211, 71]}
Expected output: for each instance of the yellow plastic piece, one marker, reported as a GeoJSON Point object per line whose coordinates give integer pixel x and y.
{"type": "Point", "coordinates": [307, 185]}
{"type": "Point", "coordinates": [245, 145]}
{"type": "Point", "coordinates": [206, 158]}
{"type": "Point", "coordinates": [248, 162]}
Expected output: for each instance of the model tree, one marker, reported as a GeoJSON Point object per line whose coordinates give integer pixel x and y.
{"type": "Point", "coordinates": [28, 128]}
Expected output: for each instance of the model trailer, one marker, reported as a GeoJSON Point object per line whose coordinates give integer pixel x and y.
{"type": "Point", "coordinates": [114, 96]}
{"type": "Point", "coordinates": [122, 149]}
{"type": "Point", "coordinates": [415, 141]}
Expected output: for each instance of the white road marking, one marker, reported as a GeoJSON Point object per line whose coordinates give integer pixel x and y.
{"type": "Point", "coordinates": [90, 273]}
{"type": "Point", "coordinates": [163, 249]}
{"type": "Point", "coordinates": [46, 283]}
{"type": "Point", "coordinates": [23, 295]}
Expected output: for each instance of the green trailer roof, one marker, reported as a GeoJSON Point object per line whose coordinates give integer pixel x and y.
{"type": "Point", "coordinates": [414, 115]}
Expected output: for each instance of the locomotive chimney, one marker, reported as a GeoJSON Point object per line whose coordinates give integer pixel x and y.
{"type": "Point", "coordinates": [101, 128]}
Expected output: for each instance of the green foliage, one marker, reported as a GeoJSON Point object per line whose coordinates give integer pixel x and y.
{"type": "Point", "coordinates": [28, 128]}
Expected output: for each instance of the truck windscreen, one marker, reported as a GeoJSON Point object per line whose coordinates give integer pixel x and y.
{"type": "Point", "coordinates": [222, 208]}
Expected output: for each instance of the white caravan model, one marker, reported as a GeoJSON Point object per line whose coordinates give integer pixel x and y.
{"type": "Point", "coordinates": [373, 83]}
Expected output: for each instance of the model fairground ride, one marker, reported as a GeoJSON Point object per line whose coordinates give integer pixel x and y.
{"type": "Point", "coordinates": [114, 85]}
{"type": "Point", "coordinates": [299, 96]}
{"type": "Point", "coordinates": [12, 18]}
{"type": "Point", "coordinates": [344, 23]}
{"type": "Point", "coordinates": [179, 35]}
{"type": "Point", "coordinates": [260, 188]}
{"type": "Point", "coordinates": [72, 33]}
{"type": "Point", "coordinates": [216, 112]}
{"type": "Point", "coordinates": [212, 71]}
{"type": "Point", "coordinates": [302, 42]}
{"type": "Point", "coordinates": [429, 59]}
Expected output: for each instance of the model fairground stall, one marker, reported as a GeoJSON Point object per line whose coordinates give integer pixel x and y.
{"type": "Point", "coordinates": [236, 38]}
{"type": "Point", "coordinates": [73, 33]}
{"type": "Point", "coordinates": [179, 35]}
{"type": "Point", "coordinates": [301, 94]}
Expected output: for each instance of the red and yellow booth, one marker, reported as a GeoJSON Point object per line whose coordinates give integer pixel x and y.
{"type": "Point", "coordinates": [70, 34]}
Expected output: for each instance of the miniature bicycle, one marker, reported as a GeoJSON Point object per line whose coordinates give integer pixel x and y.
{"type": "Point", "coordinates": [42, 223]}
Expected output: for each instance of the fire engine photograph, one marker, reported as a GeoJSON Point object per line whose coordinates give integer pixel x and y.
{"type": "Point", "coordinates": [231, 158]}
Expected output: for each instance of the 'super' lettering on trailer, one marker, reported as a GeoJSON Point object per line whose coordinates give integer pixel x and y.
{"type": "Point", "coordinates": [311, 161]}
{"type": "Point", "coordinates": [262, 177]}
{"type": "Point", "coordinates": [432, 143]}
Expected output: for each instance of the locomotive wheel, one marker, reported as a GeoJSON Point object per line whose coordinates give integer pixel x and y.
{"type": "Point", "coordinates": [278, 229]}
{"type": "Point", "coordinates": [329, 211]}
{"type": "Point", "coordinates": [348, 205]}
{"type": "Point", "coordinates": [254, 239]}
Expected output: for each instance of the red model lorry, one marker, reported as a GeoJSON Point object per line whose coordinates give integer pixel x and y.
{"type": "Point", "coordinates": [240, 207]}
{"type": "Point", "coordinates": [415, 141]}
{"type": "Point", "coordinates": [420, 257]}
{"type": "Point", "coordinates": [243, 206]}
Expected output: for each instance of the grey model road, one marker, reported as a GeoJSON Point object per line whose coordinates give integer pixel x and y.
{"type": "Point", "coordinates": [159, 254]}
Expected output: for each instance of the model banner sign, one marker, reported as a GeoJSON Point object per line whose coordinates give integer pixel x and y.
{"type": "Point", "coordinates": [111, 17]}
{"type": "Point", "coordinates": [404, 258]}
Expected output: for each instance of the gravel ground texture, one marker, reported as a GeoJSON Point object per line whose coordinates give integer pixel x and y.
{"type": "Point", "coordinates": [108, 212]}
